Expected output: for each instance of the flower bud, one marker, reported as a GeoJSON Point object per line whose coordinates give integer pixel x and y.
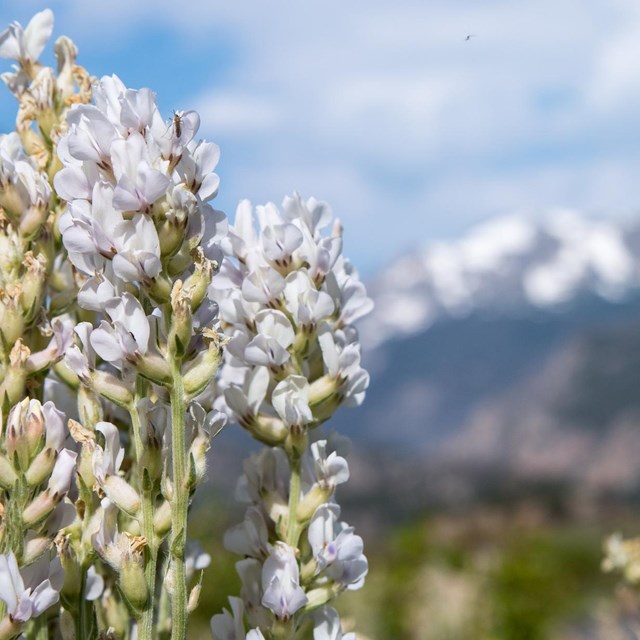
{"type": "Point", "coordinates": [41, 467]}
{"type": "Point", "coordinates": [122, 494]}
{"type": "Point", "coordinates": [67, 625]}
{"type": "Point", "coordinates": [321, 595]}
{"type": "Point", "coordinates": [162, 519]}
{"type": "Point", "coordinates": [7, 475]}
{"type": "Point", "coordinates": [10, 628]}
{"type": "Point", "coordinates": [171, 234]}
{"type": "Point", "coordinates": [12, 388]}
{"type": "Point", "coordinates": [39, 508]}
{"type": "Point", "coordinates": [11, 316]}
{"type": "Point", "coordinates": [109, 387]}
{"type": "Point", "coordinates": [116, 615]}
{"type": "Point", "coordinates": [271, 431]}
{"type": "Point", "coordinates": [154, 367]}
{"type": "Point", "coordinates": [16, 439]}
{"type": "Point", "coordinates": [194, 598]}
{"type": "Point", "coordinates": [133, 583]}
{"type": "Point", "coordinates": [11, 202]}
{"type": "Point", "coordinates": [198, 282]}
{"type": "Point", "coordinates": [34, 217]}
{"type": "Point", "coordinates": [322, 389]}
{"type": "Point", "coordinates": [316, 496]}
{"type": "Point", "coordinates": [34, 426]}
{"type": "Point", "coordinates": [181, 324]}
{"type": "Point", "coordinates": [32, 283]}
{"type": "Point", "coordinates": [34, 548]}
{"type": "Point", "coordinates": [160, 289]}
{"type": "Point", "coordinates": [72, 577]}
{"type": "Point", "coordinates": [201, 370]}
{"type": "Point", "coordinates": [89, 407]}
{"type": "Point", "coordinates": [87, 440]}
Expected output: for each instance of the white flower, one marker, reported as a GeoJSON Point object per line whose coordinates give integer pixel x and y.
{"type": "Point", "coordinates": [264, 472]}
{"type": "Point", "coordinates": [138, 250]}
{"type": "Point", "coordinates": [250, 537]}
{"type": "Point", "coordinates": [290, 399]}
{"type": "Point", "coordinates": [195, 558]}
{"type": "Point", "coordinates": [29, 593]}
{"type": "Point", "coordinates": [229, 626]}
{"type": "Point", "coordinates": [89, 229]}
{"type": "Point", "coordinates": [262, 285]}
{"type": "Point", "coordinates": [280, 241]}
{"type": "Point", "coordinates": [342, 362]}
{"type": "Point", "coordinates": [337, 550]}
{"type": "Point", "coordinates": [114, 547]}
{"type": "Point", "coordinates": [313, 214]}
{"type": "Point", "coordinates": [329, 468]}
{"type": "Point", "coordinates": [245, 401]}
{"type": "Point", "coordinates": [106, 462]}
{"type": "Point", "coordinates": [138, 185]}
{"type": "Point", "coordinates": [26, 45]}
{"type": "Point", "coordinates": [250, 572]}
{"type": "Point", "coordinates": [242, 238]}
{"type": "Point", "coordinates": [62, 474]}
{"type": "Point", "coordinates": [274, 336]}
{"type": "Point", "coordinates": [282, 593]}
{"type": "Point", "coordinates": [214, 229]}
{"type": "Point", "coordinates": [196, 168]}
{"type": "Point", "coordinates": [107, 459]}
{"type": "Point", "coordinates": [327, 625]}
{"type": "Point", "coordinates": [306, 303]}
{"type": "Point", "coordinates": [127, 337]}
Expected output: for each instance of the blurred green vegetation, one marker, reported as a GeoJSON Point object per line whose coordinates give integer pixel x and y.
{"type": "Point", "coordinates": [486, 576]}
{"type": "Point", "coordinates": [492, 573]}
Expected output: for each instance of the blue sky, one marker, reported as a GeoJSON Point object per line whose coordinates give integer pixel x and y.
{"type": "Point", "coordinates": [383, 109]}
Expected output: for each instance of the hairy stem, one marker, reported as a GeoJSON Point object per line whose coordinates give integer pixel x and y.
{"type": "Point", "coordinates": [293, 532]}
{"type": "Point", "coordinates": [179, 506]}
{"type": "Point", "coordinates": [145, 623]}
{"type": "Point", "coordinates": [85, 620]}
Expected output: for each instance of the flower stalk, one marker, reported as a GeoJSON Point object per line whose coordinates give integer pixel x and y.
{"type": "Point", "coordinates": [179, 507]}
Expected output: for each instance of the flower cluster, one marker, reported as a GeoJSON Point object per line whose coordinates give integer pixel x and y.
{"type": "Point", "coordinates": [36, 475]}
{"type": "Point", "coordinates": [288, 300]}
{"type": "Point", "coordinates": [120, 285]}
{"type": "Point", "coordinates": [145, 245]}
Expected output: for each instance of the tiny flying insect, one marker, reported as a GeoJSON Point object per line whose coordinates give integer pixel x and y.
{"type": "Point", "coordinates": [177, 123]}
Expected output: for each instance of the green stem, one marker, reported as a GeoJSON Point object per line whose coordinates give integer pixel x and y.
{"type": "Point", "coordinates": [179, 506]}
{"type": "Point", "coordinates": [164, 606]}
{"type": "Point", "coordinates": [293, 532]}
{"type": "Point", "coordinates": [14, 535]}
{"type": "Point", "coordinates": [85, 621]}
{"type": "Point", "coordinates": [145, 623]}
{"type": "Point", "coordinates": [37, 629]}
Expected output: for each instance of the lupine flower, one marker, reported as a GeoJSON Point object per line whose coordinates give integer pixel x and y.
{"type": "Point", "coordinates": [281, 588]}
{"type": "Point", "coordinates": [327, 625]}
{"type": "Point", "coordinates": [336, 549]}
{"type": "Point", "coordinates": [229, 625]}
{"type": "Point", "coordinates": [127, 337]}
{"type": "Point", "coordinates": [290, 399]}
{"type": "Point", "coordinates": [249, 538]}
{"type": "Point", "coordinates": [25, 46]}
{"type": "Point", "coordinates": [28, 593]}
{"type": "Point", "coordinates": [106, 465]}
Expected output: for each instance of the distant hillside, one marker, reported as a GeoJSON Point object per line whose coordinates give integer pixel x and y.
{"type": "Point", "coordinates": [511, 355]}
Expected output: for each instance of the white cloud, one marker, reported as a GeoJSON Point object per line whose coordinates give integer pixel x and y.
{"type": "Point", "coordinates": [385, 110]}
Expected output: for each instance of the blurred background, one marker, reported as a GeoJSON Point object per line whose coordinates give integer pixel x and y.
{"type": "Point", "coordinates": [488, 186]}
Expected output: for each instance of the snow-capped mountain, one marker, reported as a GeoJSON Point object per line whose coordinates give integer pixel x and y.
{"type": "Point", "coordinates": [502, 266]}
{"type": "Point", "coordinates": [512, 352]}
